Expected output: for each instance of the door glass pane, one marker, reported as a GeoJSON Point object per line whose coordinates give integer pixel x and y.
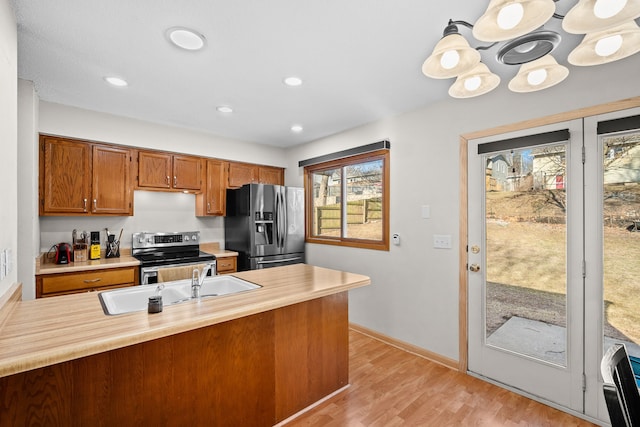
{"type": "Point", "coordinates": [526, 241]}
{"type": "Point", "coordinates": [621, 220]}
{"type": "Point", "coordinates": [327, 212]}
{"type": "Point", "coordinates": [364, 200]}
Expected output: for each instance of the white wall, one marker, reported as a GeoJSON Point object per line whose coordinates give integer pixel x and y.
{"type": "Point", "coordinates": [414, 291]}
{"type": "Point", "coordinates": [57, 119]}
{"type": "Point", "coordinates": [28, 224]}
{"type": "Point", "coordinates": [8, 140]}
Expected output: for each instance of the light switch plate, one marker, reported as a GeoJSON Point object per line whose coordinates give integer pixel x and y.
{"type": "Point", "coordinates": [396, 239]}
{"type": "Point", "coordinates": [8, 261]}
{"type": "Point", "coordinates": [426, 211]}
{"type": "Point", "coordinates": [442, 241]}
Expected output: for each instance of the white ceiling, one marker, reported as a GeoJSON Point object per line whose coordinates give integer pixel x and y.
{"type": "Point", "coordinates": [360, 60]}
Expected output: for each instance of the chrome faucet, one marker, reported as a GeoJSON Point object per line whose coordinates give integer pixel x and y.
{"type": "Point", "coordinates": [197, 279]}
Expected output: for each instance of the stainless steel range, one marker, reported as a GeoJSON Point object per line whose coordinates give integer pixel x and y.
{"type": "Point", "coordinates": [169, 256]}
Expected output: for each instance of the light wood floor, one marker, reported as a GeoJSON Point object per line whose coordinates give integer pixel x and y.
{"type": "Point", "coordinates": [391, 387]}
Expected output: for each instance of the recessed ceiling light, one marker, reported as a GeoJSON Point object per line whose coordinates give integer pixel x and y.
{"type": "Point", "coordinates": [224, 109]}
{"type": "Point", "coordinates": [186, 38]}
{"type": "Point", "coordinates": [116, 81]}
{"type": "Point", "coordinates": [293, 81]}
{"type": "Point", "coordinates": [297, 128]}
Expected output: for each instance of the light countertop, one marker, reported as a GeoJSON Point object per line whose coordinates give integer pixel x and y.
{"type": "Point", "coordinates": [47, 331]}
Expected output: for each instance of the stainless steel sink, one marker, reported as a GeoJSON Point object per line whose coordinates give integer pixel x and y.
{"type": "Point", "coordinates": [136, 298]}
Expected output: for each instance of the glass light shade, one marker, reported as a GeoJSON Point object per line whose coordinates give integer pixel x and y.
{"type": "Point", "coordinates": [510, 16]}
{"type": "Point", "coordinates": [475, 82]}
{"type": "Point", "coordinates": [534, 14]}
{"type": "Point", "coordinates": [539, 74]}
{"type": "Point", "coordinates": [594, 45]}
{"type": "Point", "coordinates": [607, 8]}
{"type": "Point", "coordinates": [467, 56]}
{"type": "Point", "coordinates": [582, 19]}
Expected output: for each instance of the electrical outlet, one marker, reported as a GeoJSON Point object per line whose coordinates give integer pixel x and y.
{"type": "Point", "coordinates": [3, 264]}
{"type": "Point", "coordinates": [442, 241]}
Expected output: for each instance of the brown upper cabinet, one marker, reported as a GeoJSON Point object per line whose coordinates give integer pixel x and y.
{"type": "Point", "coordinates": [83, 178]}
{"type": "Point", "coordinates": [245, 173]}
{"type": "Point", "coordinates": [166, 171]}
{"type": "Point", "coordinates": [212, 201]}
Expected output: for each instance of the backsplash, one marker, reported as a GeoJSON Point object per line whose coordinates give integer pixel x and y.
{"type": "Point", "coordinates": [153, 211]}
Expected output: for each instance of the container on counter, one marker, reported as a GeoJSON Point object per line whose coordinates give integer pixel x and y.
{"type": "Point", "coordinates": [94, 250]}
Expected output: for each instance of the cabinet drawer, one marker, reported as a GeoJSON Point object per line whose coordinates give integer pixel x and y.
{"type": "Point", "coordinates": [226, 265]}
{"type": "Point", "coordinates": [87, 280]}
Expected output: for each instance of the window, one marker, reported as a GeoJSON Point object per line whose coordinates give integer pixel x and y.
{"type": "Point", "coordinates": [348, 201]}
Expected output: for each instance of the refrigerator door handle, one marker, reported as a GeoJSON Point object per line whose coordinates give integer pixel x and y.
{"type": "Point", "coordinates": [276, 225]}
{"type": "Point", "coordinates": [281, 218]}
{"type": "Point", "coordinates": [285, 221]}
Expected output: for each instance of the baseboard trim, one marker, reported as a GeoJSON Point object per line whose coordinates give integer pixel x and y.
{"type": "Point", "coordinates": [410, 348]}
{"type": "Point", "coordinates": [310, 407]}
{"type": "Point", "coordinates": [9, 300]}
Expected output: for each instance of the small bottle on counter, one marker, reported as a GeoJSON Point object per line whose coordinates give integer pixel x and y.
{"type": "Point", "coordinates": [155, 304]}
{"type": "Point", "coordinates": [94, 250]}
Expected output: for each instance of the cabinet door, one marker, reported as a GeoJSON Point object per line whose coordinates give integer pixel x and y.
{"type": "Point", "coordinates": [154, 170]}
{"type": "Point", "coordinates": [241, 174]}
{"type": "Point", "coordinates": [216, 187]}
{"type": "Point", "coordinates": [269, 175]}
{"type": "Point", "coordinates": [111, 189]}
{"type": "Point", "coordinates": [65, 177]}
{"type": "Point", "coordinates": [186, 173]}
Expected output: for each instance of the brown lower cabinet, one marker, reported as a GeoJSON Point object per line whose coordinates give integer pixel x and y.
{"type": "Point", "coordinates": [253, 371]}
{"type": "Point", "coordinates": [226, 265]}
{"type": "Point", "coordinates": [48, 285]}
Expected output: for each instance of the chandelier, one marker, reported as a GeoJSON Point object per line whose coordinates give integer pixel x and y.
{"type": "Point", "coordinates": [609, 26]}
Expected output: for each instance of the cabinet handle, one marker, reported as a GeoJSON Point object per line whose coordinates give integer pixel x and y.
{"type": "Point", "coordinates": [85, 205]}
{"type": "Point", "coordinates": [208, 206]}
{"type": "Point", "coordinates": [95, 205]}
{"type": "Point", "coordinates": [168, 180]}
{"type": "Point", "coordinates": [175, 181]}
{"type": "Point", "coordinates": [92, 280]}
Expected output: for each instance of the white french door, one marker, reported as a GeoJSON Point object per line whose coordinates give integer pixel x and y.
{"type": "Point", "coordinates": [525, 261]}
{"type": "Point", "coordinates": [554, 237]}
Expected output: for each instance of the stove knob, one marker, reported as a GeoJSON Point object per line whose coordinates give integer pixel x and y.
{"type": "Point", "coordinates": [194, 237]}
{"type": "Point", "coordinates": [186, 238]}
{"type": "Point", "coordinates": [140, 239]}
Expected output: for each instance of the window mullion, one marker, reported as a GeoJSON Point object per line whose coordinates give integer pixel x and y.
{"type": "Point", "coordinates": [343, 203]}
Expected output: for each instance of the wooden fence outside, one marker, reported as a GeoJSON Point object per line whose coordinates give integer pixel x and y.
{"type": "Point", "coordinates": [358, 212]}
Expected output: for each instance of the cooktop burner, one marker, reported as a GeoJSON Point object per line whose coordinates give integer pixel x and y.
{"type": "Point", "coordinates": [173, 257]}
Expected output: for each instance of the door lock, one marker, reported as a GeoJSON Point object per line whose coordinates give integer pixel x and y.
{"type": "Point", "coordinates": [474, 267]}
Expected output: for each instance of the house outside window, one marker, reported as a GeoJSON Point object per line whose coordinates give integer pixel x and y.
{"type": "Point", "coordinates": [348, 201]}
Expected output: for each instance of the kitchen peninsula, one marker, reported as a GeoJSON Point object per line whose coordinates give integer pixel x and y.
{"type": "Point", "coordinates": [254, 358]}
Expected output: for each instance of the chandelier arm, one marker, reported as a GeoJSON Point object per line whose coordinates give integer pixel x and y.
{"type": "Point", "coordinates": [486, 47]}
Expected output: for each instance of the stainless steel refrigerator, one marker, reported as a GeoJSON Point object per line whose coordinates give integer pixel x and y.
{"type": "Point", "coordinates": [265, 225]}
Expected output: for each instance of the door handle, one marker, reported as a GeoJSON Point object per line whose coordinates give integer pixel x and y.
{"type": "Point", "coordinates": [474, 267]}
{"type": "Point", "coordinates": [279, 260]}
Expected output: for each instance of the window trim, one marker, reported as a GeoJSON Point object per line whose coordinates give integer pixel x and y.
{"type": "Point", "coordinates": [382, 245]}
